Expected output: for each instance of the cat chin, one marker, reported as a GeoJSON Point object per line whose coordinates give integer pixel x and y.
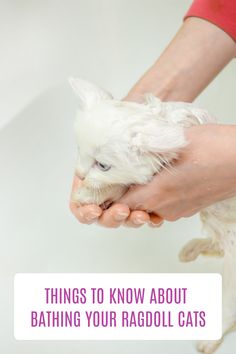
{"type": "Point", "coordinates": [103, 197]}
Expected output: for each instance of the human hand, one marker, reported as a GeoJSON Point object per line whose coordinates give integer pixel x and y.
{"type": "Point", "coordinates": [113, 217]}
{"type": "Point", "coordinates": [204, 174]}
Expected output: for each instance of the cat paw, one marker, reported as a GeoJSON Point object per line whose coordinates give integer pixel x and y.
{"type": "Point", "coordinates": [192, 249]}
{"type": "Point", "coordinates": [208, 347]}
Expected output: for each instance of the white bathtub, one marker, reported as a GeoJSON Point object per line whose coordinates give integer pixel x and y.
{"type": "Point", "coordinates": [37, 154]}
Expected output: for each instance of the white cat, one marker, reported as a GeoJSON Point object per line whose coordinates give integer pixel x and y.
{"type": "Point", "coordinates": [123, 143]}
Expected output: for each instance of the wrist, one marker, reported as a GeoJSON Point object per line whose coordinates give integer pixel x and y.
{"type": "Point", "coordinates": [160, 80]}
{"type": "Point", "coordinates": [188, 64]}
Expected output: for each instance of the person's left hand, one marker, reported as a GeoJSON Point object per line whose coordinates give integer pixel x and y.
{"type": "Point", "coordinates": [197, 180]}
{"type": "Point", "coordinates": [113, 217]}
{"type": "Point", "coordinates": [204, 174]}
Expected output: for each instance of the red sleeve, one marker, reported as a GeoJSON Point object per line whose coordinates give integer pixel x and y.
{"type": "Point", "coordinates": [220, 12]}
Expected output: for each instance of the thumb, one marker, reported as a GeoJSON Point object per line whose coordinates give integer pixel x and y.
{"type": "Point", "coordinates": [134, 198]}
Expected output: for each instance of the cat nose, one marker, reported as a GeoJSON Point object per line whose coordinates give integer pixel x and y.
{"type": "Point", "coordinates": [80, 176]}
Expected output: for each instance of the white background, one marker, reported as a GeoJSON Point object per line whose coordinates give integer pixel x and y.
{"type": "Point", "coordinates": [111, 42]}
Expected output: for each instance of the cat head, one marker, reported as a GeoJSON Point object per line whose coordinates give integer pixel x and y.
{"type": "Point", "coordinates": [119, 143]}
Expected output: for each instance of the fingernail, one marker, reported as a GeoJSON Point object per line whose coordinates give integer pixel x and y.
{"type": "Point", "coordinates": [139, 221]}
{"type": "Point", "coordinates": [121, 216]}
{"type": "Point", "coordinates": [156, 225]}
{"type": "Point", "coordinates": [92, 216]}
{"type": "Point", "coordinates": [81, 215]}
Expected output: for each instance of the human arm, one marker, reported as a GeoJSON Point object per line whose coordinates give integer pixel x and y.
{"type": "Point", "coordinates": [194, 57]}
{"type": "Point", "coordinates": [198, 52]}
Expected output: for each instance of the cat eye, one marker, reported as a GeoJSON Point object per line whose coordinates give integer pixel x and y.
{"type": "Point", "coordinates": [102, 166]}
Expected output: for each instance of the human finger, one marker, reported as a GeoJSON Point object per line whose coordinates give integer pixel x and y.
{"type": "Point", "coordinates": [86, 214]}
{"type": "Point", "coordinates": [114, 216]}
{"type": "Point", "coordinates": [155, 220]}
{"type": "Point", "coordinates": [137, 218]}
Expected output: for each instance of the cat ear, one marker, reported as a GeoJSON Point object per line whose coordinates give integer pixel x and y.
{"type": "Point", "coordinates": [88, 93]}
{"type": "Point", "coordinates": [156, 139]}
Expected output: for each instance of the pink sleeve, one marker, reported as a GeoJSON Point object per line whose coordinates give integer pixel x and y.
{"type": "Point", "coordinates": [220, 12]}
